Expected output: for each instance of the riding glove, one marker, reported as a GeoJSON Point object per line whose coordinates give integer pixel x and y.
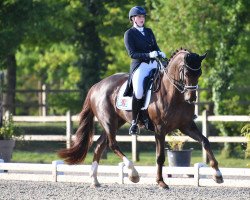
{"type": "Point", "coordinates": [162, 54]}
{"type": "Point", "coordinates": [153, 54]}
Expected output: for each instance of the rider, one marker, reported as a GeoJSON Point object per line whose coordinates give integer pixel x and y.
{"type": "Point", "coordinates": [142, 47]}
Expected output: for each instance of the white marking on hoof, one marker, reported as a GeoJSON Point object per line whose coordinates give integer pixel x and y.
{"type": "Point", "coordinates": [129, 164]}
{"type": "Point", "coordinates": [217, 173]}
{"type": "Point", "coordinates": [132, 172]}
{"type": "Point", "coordinates": [93, 175]}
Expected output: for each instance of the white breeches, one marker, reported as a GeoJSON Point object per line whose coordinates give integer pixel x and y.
{"type": "Point", "coordinates": [138, 77]}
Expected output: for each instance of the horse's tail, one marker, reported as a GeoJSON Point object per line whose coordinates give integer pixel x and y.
{"type": "Point", "coordinates": [83, 137]}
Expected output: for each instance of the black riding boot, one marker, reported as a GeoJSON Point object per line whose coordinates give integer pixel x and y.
{"type": "Point", "coordinates": [146, 121]}
{"type": "Point", "coordinates": [136, 107]}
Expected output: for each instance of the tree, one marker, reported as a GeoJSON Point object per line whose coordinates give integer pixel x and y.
{"type": "Point", "coordinates": [12, 24]}
{"type": "Point", "coordinates": [233, 22]}
{"type": "Point", "coordinates": [222, 28]}
{"type": "Point", "coordinates": [23, 22]}
{"type": "Point", "coordinates": [70, 44]}
{"type": "Point", "coordinates": [1, 99]}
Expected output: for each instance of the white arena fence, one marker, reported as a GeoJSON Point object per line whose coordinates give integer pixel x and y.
{"type": "Point", "coordinates": [134, 139]}
{"type": "Point", "coordinates": [199, 175]}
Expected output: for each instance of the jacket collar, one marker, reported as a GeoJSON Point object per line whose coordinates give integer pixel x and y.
{"type": "Point", "coordinates": [145, 37]}
{"type": "Point", "coordinates": [141, 29]}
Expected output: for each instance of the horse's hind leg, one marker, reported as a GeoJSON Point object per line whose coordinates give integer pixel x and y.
{"type": "Point", "coordinates": [111, 128]}
{"type": "Point", "coordinates": [101, 145]}
{"type": "Point", "coordinates": [192, 131]}
{"type": "Point", "coordinates": [132, 172]}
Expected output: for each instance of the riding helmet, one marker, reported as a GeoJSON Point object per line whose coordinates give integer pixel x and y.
{"type": "Point", "coordinates": [137, 10]}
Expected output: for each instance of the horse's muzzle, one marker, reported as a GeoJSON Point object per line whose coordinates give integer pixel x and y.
{"type": "Point", "coordinates": [190, 97]}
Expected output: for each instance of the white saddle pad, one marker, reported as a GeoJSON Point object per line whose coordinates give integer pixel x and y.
{"type": "Point", "coordinates": [125, 103]}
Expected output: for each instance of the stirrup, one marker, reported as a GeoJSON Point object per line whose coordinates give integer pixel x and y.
{"type": "Point", "coordinates": [146, 123]}
{"type": "Point", "coordinates": [133, 130]}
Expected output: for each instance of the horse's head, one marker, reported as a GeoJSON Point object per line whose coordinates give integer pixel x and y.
{"type": "Point", "coordinates": [187, 69]}
{"type": "Point", "coordinates": [191, 71]}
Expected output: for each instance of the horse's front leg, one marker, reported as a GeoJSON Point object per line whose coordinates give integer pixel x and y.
{"type": "Point", "coordinates": [160, 159]}
{"type": "Point", "coordinates": [132, 172]}
{"type": "Point", "coordinates": [192, 131]}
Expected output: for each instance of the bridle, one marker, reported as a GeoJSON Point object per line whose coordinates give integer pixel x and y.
{"type": "Point", "coordinates": [180, 85]}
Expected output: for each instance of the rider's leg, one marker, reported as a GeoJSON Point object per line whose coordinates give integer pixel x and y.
{"type": "Point", "coordinates": [138, 77]}
{"type": "Point", "coordinates": [136, 107]}
{"type": "Point", "coordinates": [143, 115]}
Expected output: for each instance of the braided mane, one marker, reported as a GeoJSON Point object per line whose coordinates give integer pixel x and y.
{"type": "Point", "coordinates": [176, 52]}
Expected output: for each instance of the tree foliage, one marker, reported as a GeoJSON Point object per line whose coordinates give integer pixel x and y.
{"type": "Point", "coordinates": [222, 29]}
{"type": "Point", "coordinates": [73, 44]}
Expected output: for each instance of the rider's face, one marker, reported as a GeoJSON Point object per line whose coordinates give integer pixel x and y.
{"type": "Point", "coordinates": [139, 20]}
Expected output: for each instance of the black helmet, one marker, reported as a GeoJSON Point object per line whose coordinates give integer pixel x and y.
{"type": "Point", "coordinates": [137, 10]}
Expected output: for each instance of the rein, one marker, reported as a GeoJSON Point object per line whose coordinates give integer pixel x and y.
{"type": "Point", "coordinates": [178, 84]}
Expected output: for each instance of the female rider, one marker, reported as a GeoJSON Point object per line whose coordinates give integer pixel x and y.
{"type": "Point", "coordinates": [142, 48]}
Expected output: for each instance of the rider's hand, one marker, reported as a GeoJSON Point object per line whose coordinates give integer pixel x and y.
{"type": "Point", "coordinates": [153, 54]}
{"type": "Point", "coordinates": [162, 54]}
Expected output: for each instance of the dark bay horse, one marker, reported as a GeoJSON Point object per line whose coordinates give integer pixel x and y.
{"type": "Point", "coordinates": [171, 108]}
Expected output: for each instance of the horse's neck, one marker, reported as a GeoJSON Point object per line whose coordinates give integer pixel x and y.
{"type": "Point", "coordinates": [172, 94]}
{"type": "Point", "coordinates": [169, 94]}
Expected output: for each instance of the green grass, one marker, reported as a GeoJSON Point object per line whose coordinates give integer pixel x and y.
{"type": "Point", "coordinates": [146, 158]}
{"type": "Point", "coordinates": [33, 157]}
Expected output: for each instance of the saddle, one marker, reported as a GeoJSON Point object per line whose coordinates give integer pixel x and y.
{"type": "Point", "coordinates": [124, 98]}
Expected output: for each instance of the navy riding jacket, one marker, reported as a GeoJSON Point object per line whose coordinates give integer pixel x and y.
{"type": "Point", "coordinates": [138, 46]}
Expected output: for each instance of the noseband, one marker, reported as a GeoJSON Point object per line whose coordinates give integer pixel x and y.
{"type": "Point", "coordinates": [180, 84]}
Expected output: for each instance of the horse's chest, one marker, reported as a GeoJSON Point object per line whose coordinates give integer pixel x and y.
{"type": "Point", "coordinates": [176, 116]}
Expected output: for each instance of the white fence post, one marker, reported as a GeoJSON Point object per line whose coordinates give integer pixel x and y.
{"type": "Point", "coordinates": [7, 115]}
{"type": "Point", "coordinates": [204, 133]}
{"type": "Point", "coordinates": [197, 173]}
{"type": "Point", "coordinates": [121, 172]}
{"type": "Point", "coordinates": [54, 169]}
{"type": "Point", "coordinates": [1, 161]}
{"type": "Point", "coordinates": [69, 129]}
{"type": "Point", "coordinates": [135, 156]}
{"type": "Point", "coordinates": [44, 100]}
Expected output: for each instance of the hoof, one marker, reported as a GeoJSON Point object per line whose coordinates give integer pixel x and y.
{"type": "Point", "coordinates": [134, 179]}
{"type": "Point", "coordinates": [218, 179]}
{"type": "Point", "coordinates": [162, 185]}
{"type": "Point", "coordinates": [95, 185]}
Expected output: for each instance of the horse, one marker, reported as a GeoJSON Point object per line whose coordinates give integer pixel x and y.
{"type": "Point", "coordinates": [170, 108]}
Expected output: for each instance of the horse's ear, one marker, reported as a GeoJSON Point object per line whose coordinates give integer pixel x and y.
{"type": "Point", "coordinates": [203, 56]}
